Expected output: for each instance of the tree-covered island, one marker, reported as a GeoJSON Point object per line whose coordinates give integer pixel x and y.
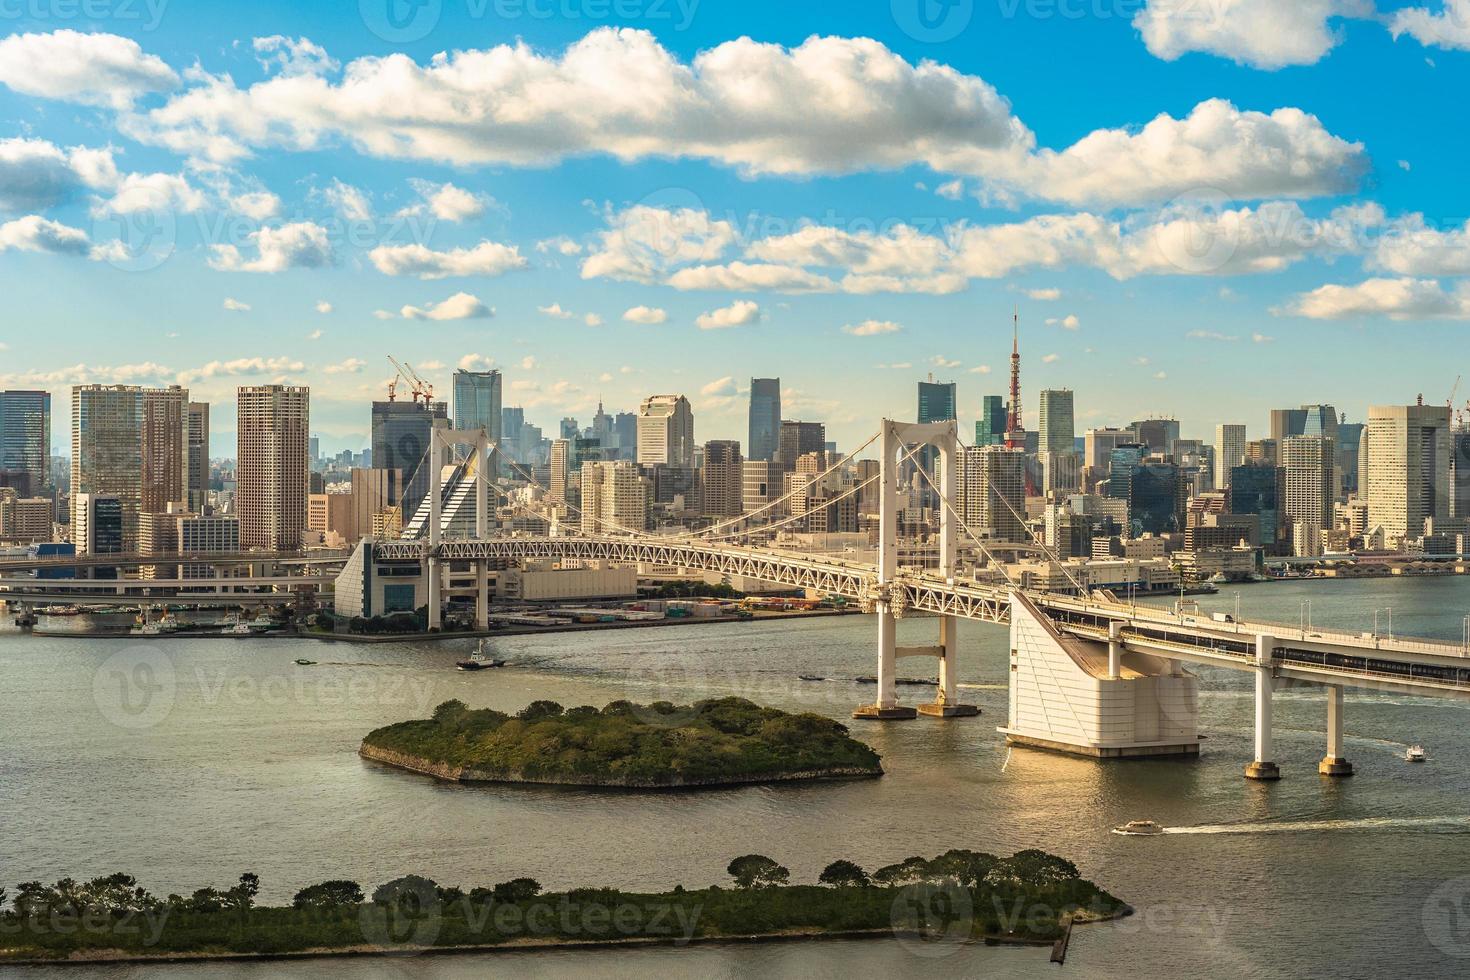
{"type": "Point", "coordinates": [717, 742]}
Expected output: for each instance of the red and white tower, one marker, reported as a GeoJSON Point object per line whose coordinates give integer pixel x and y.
{"type": "Point", "coordinates": [1015, 431]}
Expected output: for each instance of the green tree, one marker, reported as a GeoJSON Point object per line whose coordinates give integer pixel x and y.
{"type": "Point", "coordinates": [242, 897]}
{"type": "Point", "coordinates": [757, 871]}
{"type": "Point", "coordinates": [328, 894]}
{"type": "Point", "coordinates": [537, 710]}
{"type": "Point", "coordinates": [411, 893]}
{"type": "Point", "coordinates": [516, 890]}
{"type": "Point", "coordinates": [843, 874]}
{"type": "Point", "coordinates": [904, 872]}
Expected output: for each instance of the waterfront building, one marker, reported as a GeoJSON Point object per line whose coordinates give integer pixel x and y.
{"type": "Point", "coordinates": [666, 431]}
{"type": "Point", "coordinates": [25, 441]}
{"type": "Point", "coordinates": [196, 462]}
{"type": "Point", "coordinates": [1409, 449]}
{"type": "Point", "coordinates": [106, 460]}
{"type": "Point", "coordinates": [1056, 427]}
{"type": "Point", "coordinates": [165, 449]}
{"type": "Point", "coordinates": [1230, 444]}
{"type": "Point", "coordinates": [1259, 490]}
{"type": "Point", "coordinates": [1310, 480]}
{"type": "Point", "coordinates": [765, 419]}
{"type": "Point", "coordinates": [373, 491]}
{"type": "Point", "coordinates": [400, 433]}
{"type": "Point", "coordinates": [724, 478]}
{"type": "Point", "coordinates": [272, 428]}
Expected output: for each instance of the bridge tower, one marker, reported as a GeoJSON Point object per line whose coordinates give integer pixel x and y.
{"type": "Point", "coordinates": [442, 440]}
{"type": "Point", "coordinates": [888, 599]}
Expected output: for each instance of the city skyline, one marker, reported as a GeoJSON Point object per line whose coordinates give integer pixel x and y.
{"type": "Point", "coordinates": [307, 254]}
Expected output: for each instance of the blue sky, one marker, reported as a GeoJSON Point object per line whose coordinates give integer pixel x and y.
{"type": "Point", "coordinates": [1203, 208]}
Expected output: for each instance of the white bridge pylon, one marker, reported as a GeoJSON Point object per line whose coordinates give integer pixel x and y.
{"type": "Point", "coordinates": [888, 599]}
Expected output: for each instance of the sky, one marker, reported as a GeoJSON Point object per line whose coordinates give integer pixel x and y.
{"type": "Point", "coordinates": [1198, 208]}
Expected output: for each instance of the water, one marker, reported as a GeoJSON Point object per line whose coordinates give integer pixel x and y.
{"type": "Point", "coordinates": [187, 762]}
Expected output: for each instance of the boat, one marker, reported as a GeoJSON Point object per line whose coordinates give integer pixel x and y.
{"type": "Point", "coordinates": [479, 660]}
{"type": "Point", "coordinates": [262, 623]}
{"type": "Point", "coordinates": [1139, 828]}
{"type": "Point", "coordinates": [1416, 753]}
{"type": "Point", "coordinates": [902, 681]}
{"type": "Point", "coordinates": [303, 662]}
{"type": "Point", "coordinates": [810, 677]}
{"type": "Point", "coordinates": [239, 629]}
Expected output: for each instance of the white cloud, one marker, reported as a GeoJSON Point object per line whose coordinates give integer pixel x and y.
{"type": "Point", "coordinates": [34, 233]}
{"type": "Point", "coordinates": [953, 190]}
{"type": "Point", "coordinates": [1161, 376]}
{"type": "Point", "coordinates": [871, 328]}
{"type": "Point", "coordinates": [322, 306]}
{"type": "Point", "coordinates": [528, 363]}
{"type": "Point", "coordinates": [555, 310]}
{"type": "Point", "coordinates": [242, 367]}
{"type": "Point", "coordinates": [137, 193]}
{"type": "Point", "coordinates": [90, 69]}
{"type": "Point", "coordinates": [256, 205]}
{"type": "Point", "coordinates": [1397, 299]}
{"type": "Point", "coordinates": [1211, 335]}
{"type": "Point", "coordinates": [293, 56]}
{"type": "Point", "coordinates": [1411, 248]}
{"type": "Point", "coordinates": [1265, 34]}
{"type": "Point", "coordinates": [1068, 322]}
{"type": "Point", "coordinates": [316, 335]}
{"type": "Point", "coordinates": [561, 245]}
{"type": "Point", "coordinates": [476, 362]}
{"type": "Point", "coordinates": [485, 259]}
{"type": "Point", "coordinates": [940, 361]}
{"type": "Point", "coordinates": [235, 306]}
{"type": "Point", "coordinates": [1260, 338]}
{"type": "Point", "coordinates": [352, 365]}
{"type": "Point", "coordinates": [722, 387]}
{"type": "Point", "coordinates": [592, 320]}
{"type": "Point", "coordinates": [1448, 27]}
{"type": "Point", "coordinates": [745, 277]}
{"type": "Point", "coordinates": [646, 314]}
{"type": "Point", "coordinates": [299, 245]}
{"type": "Point", "coordinates": [446, 201]}
{"type": "Point", "coordinates": [980, 369]}
{"type": "Point", "coordinates": [1044, 295]}
{"type": "Point", "coordinates": [350, 202]}
{"type": "Point", "coordinates": [642, 243]}
{"type": "Point", "coordinates": [460, 306]}
{"type": "Point", "coordinates": [741, 313]}
{"type": "Point", "coordinates": [1050, 358]}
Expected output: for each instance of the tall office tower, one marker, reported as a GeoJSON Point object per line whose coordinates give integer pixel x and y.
{"type": "Point", "coordinates": [1319, 420]}
{"type": "Point", "coordinates": [25, 441]}
{"type": "Point", "coordinates": [936, 401]}
{"type": "Point", "coordinates": [1259, 489]}
{"type": "Point", "coordinates": [625, 429]}
{"type": "Point", "coordinates": [97, 525]}
{"type": "Point", "coordinates": [1364, 473]}
{"type": "Point", "coordinates": [1409, 450]}
{"type": "Point", "coordinates": [1263, 452]}
{"type": "Point", "coordinates": [1229, 452]}
{"type": "Point", "coordinates": [107, 454]}
{"type": "Point", "coordinates": [798, 439]}
{"type": "Point", "coordinates": [1060, 472]}
{"type": "Point", "coordinates": [512, 420]}
{"type": "Point", "coordinates": [991, 429]}
{"type": "Point", "coordinates": [477, 402]}
{"type": "Point", "coordinates": [1286, 422]}
{"type": "Point", "coordinates": [569, 428]}
{"type": "Point", "coordinates": [401, 442]}
{"type": "Point", "coordinates": [1155, 492]}
{"type": "Point", "coordinates": [561, 467]}
{"type": "Point", "coordinates": [1349, 439]}
{"type": "Point", "coordinates": [374, 492]}
{"type": "Point", "coordinates": [1159, 435]}
{"type": "Point", "coordinates": [666, 431]}
{"type": "Point", "coordinates": [762, 483]}
{"type": "Point", "coordinates": [1310, 468]}
{"type": "Point", "coordinates": [615, 497]}
{"type": "Point", "coordinates": [273, 424]}
{"type": "Point", "coordinates": [196, 448]}
{"type": "Point", "coordinates": [603, 434]}
{"type": "Point", "coordinates": [765, 419]}
{"type": "Point", "coordinates": [724, 478]}
{"type": "Point", "coordinates": [1460, 474]}
{"type": "Point", "coordinates": [993, 492]}
{"type": "Point", "coordinates": [1056, 426]}
{"type": "Point", "coordinates": [165, 448]}
{"type": "Point", "coordinates": [1098, 446]}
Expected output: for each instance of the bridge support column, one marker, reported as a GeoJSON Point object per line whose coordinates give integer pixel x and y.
{"type": "Point", "coordinates": [1333, 764]}
{"type": "Point", "coordinates": [1115, 650]}
{"type": "Point", "coordinates": [1264, 767]}
{"type": "Point", "coordinates": [946, 700]}
{"type": "Point", "coordinates": [482, 594]}
{"type": "Point", "coordinates": [886, 706]}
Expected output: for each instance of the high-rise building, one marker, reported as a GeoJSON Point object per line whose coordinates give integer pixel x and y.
{"type": "Point", "coordinates": [196, 448]}
{"type": "Point", "coordinates": [107, 456]}
{"type": "Point", "coordinates": [666, 431]}
{"type": "Point", "coordinates": [374, 491]}
{"type": "Point", "coordinates": [993, 492]}
{"type": "Point", "coordinates": [401, 442]}
{"type": "Point", "coordinates": [1229, 452]}
{"type": "Point", "coordinates": [1409, 449]}
{"type": "Point", "coordinates": [273, 424]}
{"type": "Point", "coordinates": [1460, 474]}
{"type": "Point", "coordinates": [165, 448]}
{"type": "Point", "coordinates": [991, 429]}
{"type": "Point", "coordinates": [603, 434]}
{"type": "Point", "coordinates": [762, 484]}
{"type": "Point", "coordinates": [936, 401]}
{"type": "Point", "coordinates": [765, 419]}
{"type": "Point", "coordinates": [1159, 435]}
{"type": "Point", "coordinates": [25, 441]}
{"type": "Point", "coordinates": [1260, 489]}
{"type": "Point", "coordinates": [1310, 480]}
{"type": "Point", "coordinates": [1286, 422]}
{"type": "Point", "coordinates": [625, 429]}
{"type": "Point", "coordinates": [615, 497]}
{"type": "Point", "coordinates": [98, 525]}
{"type": "Point", "coordinates": [561, 467]}
{"type": "Point", "coordinates": [477, 402]}
{"type": "Point", "coordinates": [1098, 446]}
{"type": "Point", "coordinates": [1349, 439]}
{"type": "Point", "coordinates": [798, 439]}
{"type": "Point", "coordinates": [724, 478]}
{"type": "Point", "coordinates": [1056, 427]}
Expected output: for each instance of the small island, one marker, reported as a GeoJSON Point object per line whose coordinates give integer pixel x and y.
{"type": "Point", "coordinates": [659, 746]}
{"type": "Point", "coordinates": [948, 903]}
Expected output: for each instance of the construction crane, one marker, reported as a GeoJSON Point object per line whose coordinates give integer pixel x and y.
{"type": "Point", "coordinates": [417, 386]}
{"type": "Point", "coordinates": [1450, 401]}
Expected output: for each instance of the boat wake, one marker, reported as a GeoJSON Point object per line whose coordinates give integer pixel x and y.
{"type": "Point", "coordinates": [1431, 824]}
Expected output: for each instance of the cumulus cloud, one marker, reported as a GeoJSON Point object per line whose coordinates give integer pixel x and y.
{"type": "Point", "coordinates": [741, 313]}
{"type": "Point", "coordinates": [256, 205]}
{"type": "Point", "coordinates": [872, 328]}
{"type": "Point", "coordinates": [1044, 295]}
{"type": "Point", "coordinates": [747, 277]}
{"type": "Point", "coordinates": [1068, 322]}
{"type": "Point", "coordinates": [555, 311]}
{"type": "Point", "coordinates": [157, 192]}
{"type": "Point", "coordinates": [350, 202]}
{"type": "Point", "coordinates": [646, 314]}
{"type": "Point", "coordinates": [322, 306]}
{"type": "Point", "coordinates": [592, 320]}
{"type": "Point", "coordinates": [642, 243]}
{"type": "Point", "coordinates": [446, 201]}
{"type": "Point", "coordinates": [561, 245]}
{"type": "Point", "coordinates": [235, 306]}
{"type": "Point", "coordinates": [351, 365]}
{"type": "Point", "coordinates": [1397, 299]}
{"type": "Point", "coordinates": [1411, 248]}
{"type": "Point", "coordinates": [299, 245]}
{"type": "Point", "coordinates": [1262, 33]}
{"type": "Point", "coordinates": [460, 306]}
{"type": "Point", "coordinates": [1448, 27]}
{"type": "Point", "coordinates": [476, 362]}
{"type": "Point", "coordinates": [485, 259]}
{"type": "Point", "coordinates": [242, 367]}
{"type": "Point", "coordinates": [293, 56]}
{"type": "Point", "coordinates": [90, 69]}
{"type": "Point", "coordinates": [34, 233]}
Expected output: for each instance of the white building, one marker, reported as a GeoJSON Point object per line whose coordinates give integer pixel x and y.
{"type": "Point", "coordinates": [1229, 452]}
{"type": "Point", "coordinates": [1409, 453]}
{"type": "Point", "coordinates": [666, 431]}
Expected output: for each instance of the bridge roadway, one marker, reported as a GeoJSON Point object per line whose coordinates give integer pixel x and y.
{"type": "Point", "coordinates": [1405, 666]}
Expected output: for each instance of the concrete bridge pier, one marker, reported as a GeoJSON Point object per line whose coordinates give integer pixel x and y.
{"type": "Point", "coordinates": [1333, 764]}
{"type": "Point", "coordinates": [946, 699]}
{"type": "Point", "coordinates": [1264, 767]}
{"type": "Point", "coordinates": [482, 594]}
{"type": "Point", "coordinates": [886, 707]}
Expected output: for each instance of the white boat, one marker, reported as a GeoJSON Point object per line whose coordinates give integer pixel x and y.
{"type": "Point", "coordinates": [479, 660]}
{"type": "Point", "coordinates": [1139, 828]}
{"type": "Point", "coordinates": [239, 629]}
{"type": "Point", "coordinates": [1416, 753]}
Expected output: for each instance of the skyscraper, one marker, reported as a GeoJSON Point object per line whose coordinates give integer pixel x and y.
{"type": "Point", "coordinates": [107, 455]}
{"type": "Point", "coordinates": [1229, 452]}
{"type": "Point", "coordinates": [1310, 467]}
{"type": "Point", "coordinates": [477, 402]}
{"type": "Point", "coordinates": [273, 424]}
{"type": "Point", "coordinates": [798, 439]}
{"type": "Point", "coordinates": [165, 449]}
{"type": "Point", "coordinates": [765, 419]}
{"type": "Point", "coordinates": [25, 440]}
{"type": "Point", "coordinates": [1409, 454]}
{"type": "Point", "coordinates": [1159, 435]}
{"type": "Point", "coordinates": [1056, 426]}
{"type": "Point", "coordinates": [1258, 489]}
{"type": "Point", "coordinates": [401, 442]}
{"type": "Point", "coordinates": [561, 462]}
{"type": "Point", "coordinates": [992, 483]}
{"type": "Point", "coordinates": [991, 429]}
{"type": "Point", "coordinates": [724, 478]}
{"type": "Point", "coordinates": [196, 444]}
{"type": "Point", "coordinates": [615, 498]}
{"type": "Point", "coordinates": [666, 431]}
{"type": "Point", "coordinates": [936, 401]}
{"type": "Point", "coordinates": [1288, 422]}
